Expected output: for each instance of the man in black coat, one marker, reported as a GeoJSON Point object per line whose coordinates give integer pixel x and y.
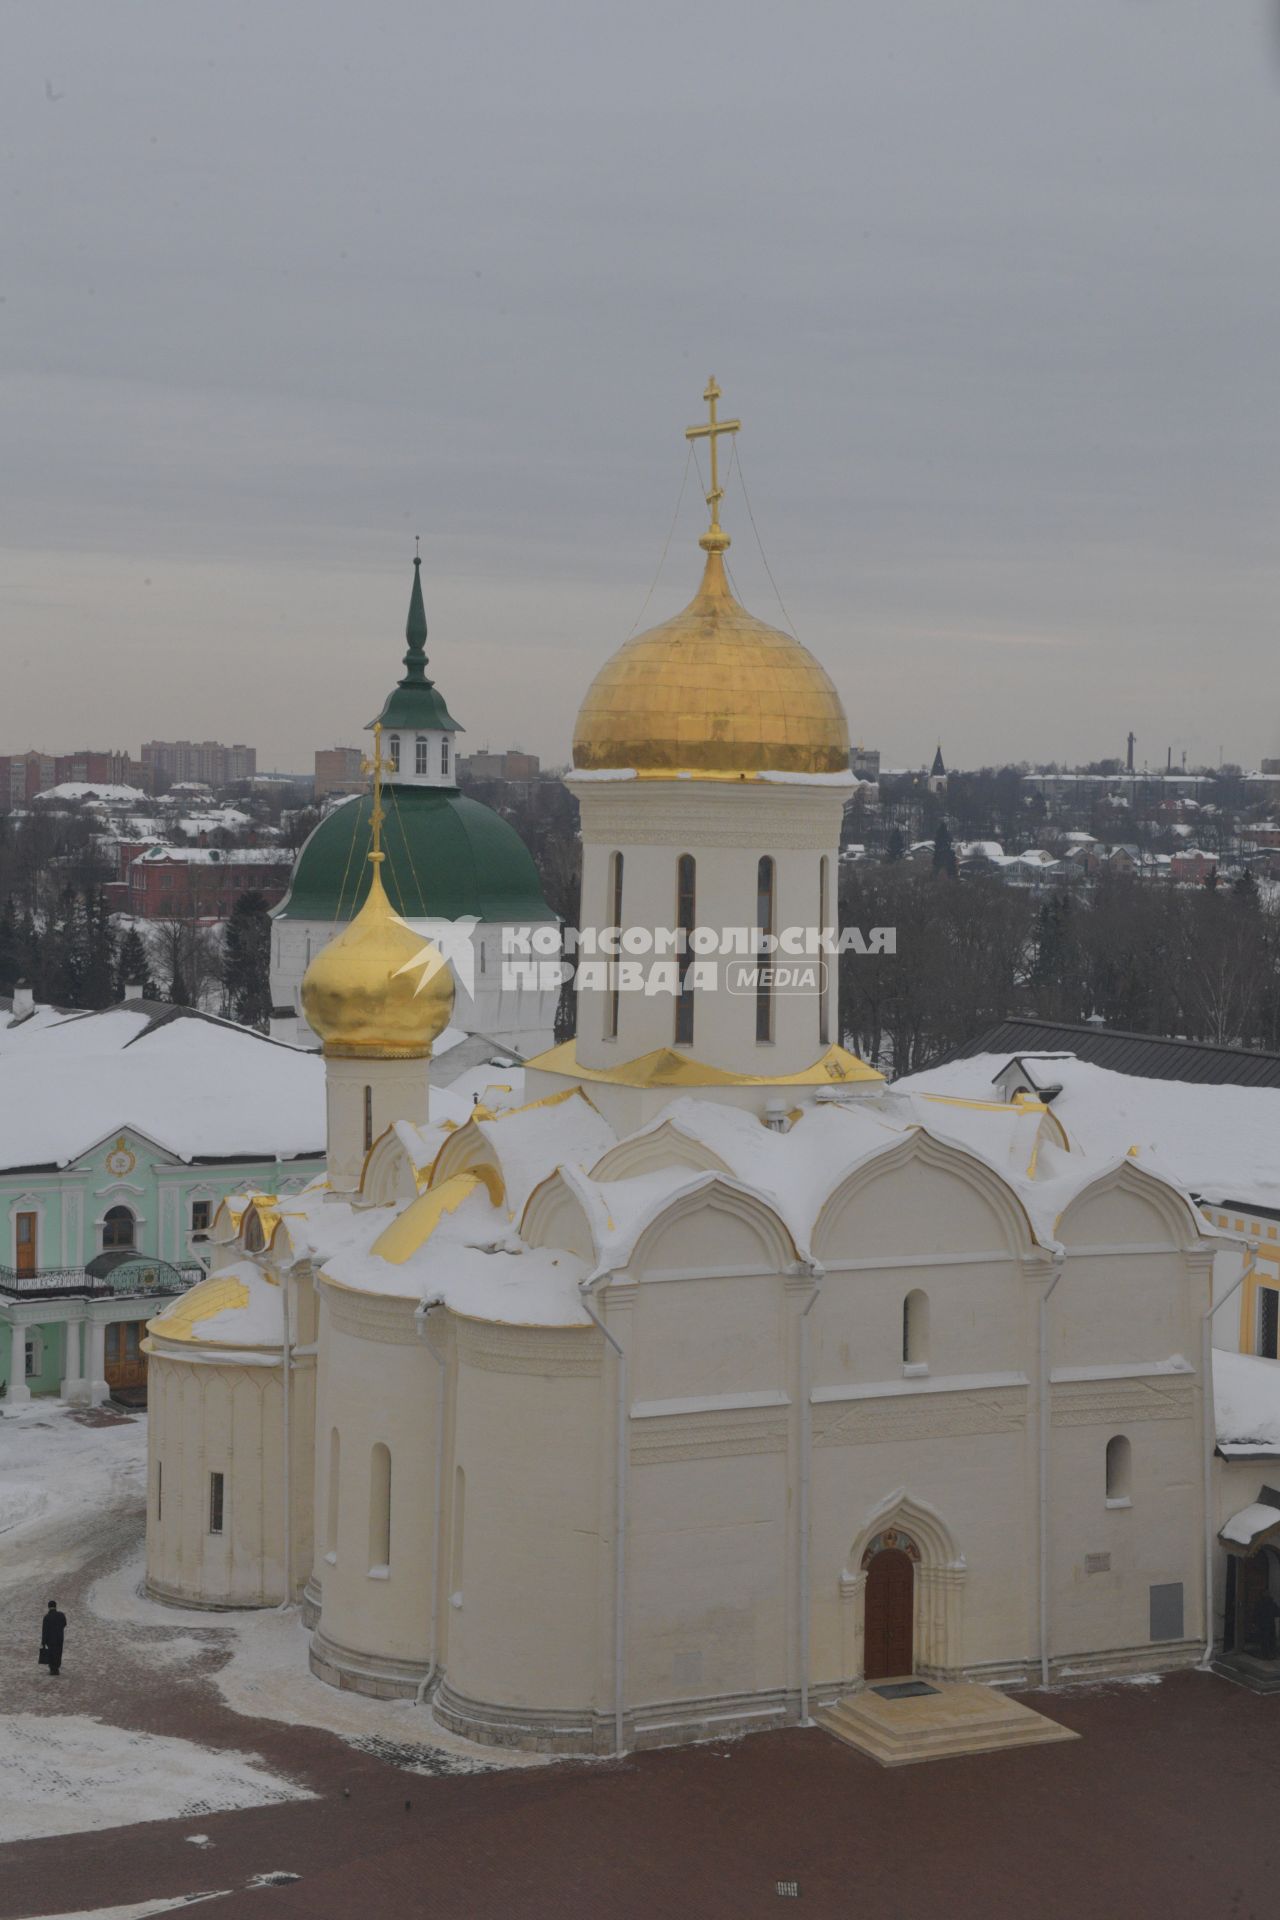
{"type": "Point", "coordinates": [52, 1629]}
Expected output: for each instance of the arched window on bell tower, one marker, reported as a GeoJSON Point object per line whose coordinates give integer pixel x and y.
{"type": "Point", "coordinates": [613, 918]}
{"type": "Point", "coordinates": [686, 910]}
{"type": "Point", "coordinates": [766, 911]}
{"type": "Point", "coordinates": [824, 977]}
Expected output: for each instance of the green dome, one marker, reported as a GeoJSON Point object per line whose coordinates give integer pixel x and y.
{"type": "Point", "coordinates": [447, 856]}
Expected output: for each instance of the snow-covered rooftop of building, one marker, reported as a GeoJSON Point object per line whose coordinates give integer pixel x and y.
{"type": "Point", "coordinates": [198, 1087]}
{"type": "Point", "coordinates": [1219, 1142]}
{"type": "Point", "coordinates": [88, 790]}
{"type": "Point", "coordinates": [216, 856]}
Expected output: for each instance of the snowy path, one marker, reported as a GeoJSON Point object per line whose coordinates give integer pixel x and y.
{"type": "Point", "coordinates": [136, 1727]}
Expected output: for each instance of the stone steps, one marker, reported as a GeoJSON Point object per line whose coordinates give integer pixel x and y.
{"type": "Point", "coordinates": [957, 1719]}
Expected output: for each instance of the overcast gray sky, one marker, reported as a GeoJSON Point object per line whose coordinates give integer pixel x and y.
{"type": "Point", "coordinates": [993, 285]}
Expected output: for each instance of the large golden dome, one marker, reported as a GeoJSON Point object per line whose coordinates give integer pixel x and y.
{"type": "Point", "coordinates": [713, 693]}
{"type": "Point", "coordinates": [379, 991]}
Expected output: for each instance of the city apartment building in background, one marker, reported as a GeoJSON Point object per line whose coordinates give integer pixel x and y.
{"type": "Point", "coordinates": [166, 763]}
{"type": "Point", "coordinates": [511, 765]}
{"type": "Point", "coordinates": [24, 775]}
{"type": "Point", "coordinates": [338, 770]}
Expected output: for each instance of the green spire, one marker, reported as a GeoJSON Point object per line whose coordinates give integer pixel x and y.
{"type": "Point", "coordinates": [415, 632]}
{"type": "Point", "coordinates": [415, 704]}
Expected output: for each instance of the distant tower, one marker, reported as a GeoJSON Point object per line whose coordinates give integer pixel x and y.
{"type": "Point", "coordinates": [1129, 762]}
{"type": "Point", "coordinates": [938, 773]}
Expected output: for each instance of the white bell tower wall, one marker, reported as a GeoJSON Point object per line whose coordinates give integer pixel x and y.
{"type": "Point", "coordinates": [726, 827]}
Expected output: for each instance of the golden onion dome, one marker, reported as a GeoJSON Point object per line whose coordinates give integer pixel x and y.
{"type": "Point", "coordinates": [713, 693]}
{"type": "Point", "coordinates": [379, 991]}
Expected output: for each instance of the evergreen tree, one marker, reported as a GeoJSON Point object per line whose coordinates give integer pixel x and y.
{"type": "Point", "coordinates": [133, 967]}
{"type": "Point", "coordinates": [944, 854]}
{"type": "Point", "coordinates": [11, 960]}
{"type": "Point", "coordinates": [246, 962]}
{"type": "Point", "coordinates": [98, 936]}
{"type": "Point", "coordinates": [1246, 888]}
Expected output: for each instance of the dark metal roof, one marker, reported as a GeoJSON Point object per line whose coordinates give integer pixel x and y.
{"type": "Point", "coordinates": [1148, 1055]}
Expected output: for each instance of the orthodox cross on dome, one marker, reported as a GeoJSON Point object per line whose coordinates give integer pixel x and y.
{"type": "Point", "coordinates": [714, 540]}
{"type": "Point", "coordinates": [375, 764]}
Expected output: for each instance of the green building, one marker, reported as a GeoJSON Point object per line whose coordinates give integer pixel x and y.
{"type": "Point", "coordinates": [120, 1132]}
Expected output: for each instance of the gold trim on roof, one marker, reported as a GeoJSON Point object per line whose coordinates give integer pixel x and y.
{"type": "Point", "coordinates": [414, 1227]}
{"type": "Point", "coordinates": [664, 1067]}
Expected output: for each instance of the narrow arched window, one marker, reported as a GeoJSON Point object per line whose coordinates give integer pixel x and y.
{"type": "Point", "coordinates": [915, 1329]}
{"type": "Point", "coordinates": [368, 1118]}
{"type": "Point", "coordinates": [765, 915]}
{"type": "Point", "coordinates": [824, 981]}
{"type": "Point", "coordinates": [335, 1483]}
{"type": "Point", "coordinates": [686, 908]}
{"type": "Point", "coordinates": [459, 1529]}
{"type": "Point", "coordinates": [444, 759]}
{"type": "Point", "coordinates": [613, 916]}
{"type": "Point", "coordinates": [1119, 1461]}
{"type": "Point", "coordinates": [393, 752]}
{"type": "Point", "coordinates": [118, 1228]}
{"type": "Point", "coordinates": [421, 748]}
{"type": "Point", "coordinates": [380, 1509]}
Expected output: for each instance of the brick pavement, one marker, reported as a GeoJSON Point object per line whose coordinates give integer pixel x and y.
{"type": "Point", "coordinates": [1164, 1808]}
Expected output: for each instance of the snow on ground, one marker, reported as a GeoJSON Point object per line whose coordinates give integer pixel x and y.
{"type": "Point", "coordinates": [67, 1773]}
{"type": "Point", "coordinates": [267, 1677]}
{"type": "Point", "coordinates": [138, 1909]}
{"type": "Point", "coordinates": [53, 1468]}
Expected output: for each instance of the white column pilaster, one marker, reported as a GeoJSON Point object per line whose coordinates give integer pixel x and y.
{"type": "Point", "coordinates": [98, 1388]}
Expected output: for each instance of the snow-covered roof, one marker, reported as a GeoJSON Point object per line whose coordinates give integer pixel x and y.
{"type": "Point", "coordinates": [1219, 1142]}
{"type": "Point", "coordinates": [239, 1307]}
{"type": "Point", "coordinates": [197, 1087]}
{"type": "Point", "coordinates": [482, 1237]}
{"type": "Point", "coordinates": [1243, 1528]}
{"type": "Point", "coordinates": [216, 856]}
{"type": "Point", "coordinates": [101, 790]}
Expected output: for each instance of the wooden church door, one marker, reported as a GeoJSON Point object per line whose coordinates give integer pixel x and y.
{"type": "Point", "coordinates": [890, 1610]}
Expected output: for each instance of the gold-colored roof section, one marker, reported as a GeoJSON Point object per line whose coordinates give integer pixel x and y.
{"type": "Point", "coordinates": [205, 1301]}
{"type": "Point", "coordinates": [412, 1229]}
{"type": "Point", "coordinates": [360, 993]}
{"type": "Point", "coordinates": [665, 1067]}
{"type": "Point", "coordinates": [712, 694]}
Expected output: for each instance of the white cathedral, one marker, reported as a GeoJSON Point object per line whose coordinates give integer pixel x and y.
{"type": "Point", "coordinates": [717, 1378]}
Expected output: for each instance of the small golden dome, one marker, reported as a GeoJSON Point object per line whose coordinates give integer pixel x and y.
{"type": "Point", "coordinates": [714, 693]}
{"type": "Point", "coordinates": [379, 991]}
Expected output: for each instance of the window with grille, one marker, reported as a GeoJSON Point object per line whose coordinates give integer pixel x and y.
{"type": "Point", "coordinates": [421, 748]}
{"type": "Point", "coordinates": [1268, 1322]}
{"type": "Point", "coordinates": [201, 1213]}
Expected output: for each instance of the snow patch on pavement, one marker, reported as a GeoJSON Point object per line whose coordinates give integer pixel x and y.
{"type": "Point", "coordinates": [267, 1677]}
{"type": "Point", "coordinates": [139, 1909]}
{"type": "Point", "coordinates": [67, 1773]}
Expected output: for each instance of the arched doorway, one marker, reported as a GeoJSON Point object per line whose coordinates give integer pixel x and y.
{"type": "Point", "coordinates": [889, 1617]}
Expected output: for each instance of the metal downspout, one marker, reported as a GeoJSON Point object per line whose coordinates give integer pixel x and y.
{"type": "Point", "coordinates": [619, 1521]}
